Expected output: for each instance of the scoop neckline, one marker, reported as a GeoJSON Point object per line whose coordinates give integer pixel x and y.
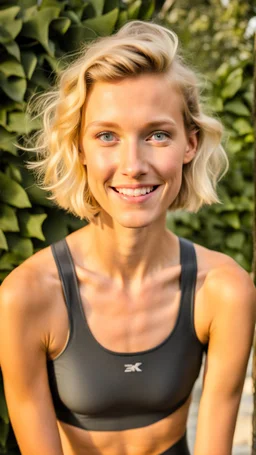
{"type": "Point", "coordinates": [136, 353]}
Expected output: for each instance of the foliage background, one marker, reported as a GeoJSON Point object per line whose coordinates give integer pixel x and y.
{"type": "Point", "coordinates": [38, 38]}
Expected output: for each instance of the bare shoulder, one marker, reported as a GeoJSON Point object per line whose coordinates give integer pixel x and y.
{"type": "Point", "coordinates": [28, 291]}
{"type": "Point", "coordinates": [33, 275]}
{"type": "Point", "coordinates": [225, 285]}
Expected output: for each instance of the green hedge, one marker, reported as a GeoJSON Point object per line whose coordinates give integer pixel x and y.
{"type": "Point", "coordinates": [227, 227]}
{"type": "Point", "coordinates": [213, 39]}
{"type": "Point", "coordinates": [34, 43]}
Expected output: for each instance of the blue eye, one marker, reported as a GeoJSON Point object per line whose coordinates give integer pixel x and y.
{"type": "Point", "coordinates": [160, 136]}
{"type": "Point", "coordinates": [109, 137]}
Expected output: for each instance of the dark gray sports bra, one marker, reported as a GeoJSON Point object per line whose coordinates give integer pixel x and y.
{"type": "Point", "coordinates": [98, 389]}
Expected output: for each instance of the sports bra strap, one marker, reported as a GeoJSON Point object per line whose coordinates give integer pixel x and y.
{"type": "Point", "coordinates": [188, 279]}
{"type": "Point", "coordinates": [67, 274]}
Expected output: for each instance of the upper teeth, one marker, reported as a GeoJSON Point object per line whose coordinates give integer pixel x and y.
{"type": "Point", "coordinates": [136, 191]}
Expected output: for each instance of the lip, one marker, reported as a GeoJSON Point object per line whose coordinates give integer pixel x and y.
{"type": "Point", "coordinates": [134, 199]}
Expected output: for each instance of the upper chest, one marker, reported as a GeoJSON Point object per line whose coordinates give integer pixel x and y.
{"type": "Point", "coordinates": [125, 321]}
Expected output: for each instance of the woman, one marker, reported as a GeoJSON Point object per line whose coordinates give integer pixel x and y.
{"type": "Point", "coordinates": [103, 333]}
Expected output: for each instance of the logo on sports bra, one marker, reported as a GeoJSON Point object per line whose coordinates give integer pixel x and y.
{"type": "Point", "coordinates": [130, 368]}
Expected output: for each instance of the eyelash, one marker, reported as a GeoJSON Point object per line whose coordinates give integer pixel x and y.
{"type": "Point", "coordinates": [99, 135]}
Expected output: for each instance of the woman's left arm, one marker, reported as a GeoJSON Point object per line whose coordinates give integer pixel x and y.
{"type": "Point", "coordinates": [230, 293]}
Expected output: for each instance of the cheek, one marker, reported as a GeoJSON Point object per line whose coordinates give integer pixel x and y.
{"type": "Point", "coordinates": [99, 168]}
{"type": "Point", "coordinates": [171, 167]}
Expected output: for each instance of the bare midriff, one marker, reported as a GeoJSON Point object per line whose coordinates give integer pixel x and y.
{"type": "Point", "coordinates": [150, 440]}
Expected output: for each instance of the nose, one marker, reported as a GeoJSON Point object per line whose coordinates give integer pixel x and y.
{"type": "Point", "coordinates": [133, 161]}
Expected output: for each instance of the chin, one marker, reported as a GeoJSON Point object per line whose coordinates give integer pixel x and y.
{"type": "Point", "coordinates": [133, 221]}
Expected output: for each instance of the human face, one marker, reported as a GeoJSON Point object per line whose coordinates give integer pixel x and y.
{"type": "Point", "coordinates": [133, 138]}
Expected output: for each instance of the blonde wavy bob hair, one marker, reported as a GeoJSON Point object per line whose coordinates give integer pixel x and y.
{"type": "Point", "coordinates": [137, 48]}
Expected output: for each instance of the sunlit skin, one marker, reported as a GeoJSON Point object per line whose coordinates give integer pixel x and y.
{"type": "Point", "coordinates": [128, 269]}
{"type": "Point", "coordinates": [133, 134]}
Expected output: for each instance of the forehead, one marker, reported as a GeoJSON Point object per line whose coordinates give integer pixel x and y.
{"type": "Point", "coordinates": [141, 97]}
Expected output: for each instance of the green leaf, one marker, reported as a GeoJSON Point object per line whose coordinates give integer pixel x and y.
{"type": "Point", "coordinates": [103, 25]}
{"type": "Point", "coordinates": [61, 25]}
{"type": "Point", "coordinates": [243, 126]}
{"type": "Point", "coordinates": [13, 49]}
{"type": "Point", "coordinates": [233, 83]}
{"type": "Point", "coordinates": [5, 37]}
{"type": "Point", "coordinates": [77, 35]}
{"type": "Point", "coordinates": [236, 183]}
{"type": "Point", "coordinates": [30, 9]}
{"type": "Point", "coordinates": [37, 27]}
{"type": "Point", "coordinates": [85, 11]}
{"type": "Point", "coordinates": [147, 10]}
{"type": "Point", "coordinates": [232, 220]}
{"type": "Point", "coordinates": [20, 247]}
{"type": "Point", "coordinates": [10, 67]}
{"type": "Point", "coordinates": [242, 203]}
{"type": "Point", "coordinates": [29, 62]}
{"type": "Point", "coordinates": [12, 193]}
{"type": "Point", "coordinates": [8, 219]}
{"type": "Point", "coordinates": [38, 196]}
{"type": "Point", "coordinates": [235, 240]}
{"type": "Point", "coordinates": [249, 139]}
{"type": "Point", "coordinates": [237, 107]}
{"type": "Point", "coordinates": [3, 243]}
{"type": "Point", "coordinates": [239, 257]}
{"type": "Point", "coordinates": [13, 27]}
{"type": "Point", "coordinates": [216, 104]}
{"type": "Point", "coordinates": [14, 87]}
{"type": "Point", "coordinates": [235, 145]}
{"type": "Point", "coordinates": [56, 226]}
{"type": "Point", "coordinates": [23, 250]}
{"type": "Point", "coordinates": [8, 21]}
{"type": "Point", "coordinates": [3, 117]}
{"type": "Point", "coordinates": [39, 79]}
{"type": "Point", "coordinates": [4, 431]}
{"type": "Point", "coordinates": [8, 260]}
{"type": "Point", "coordinates": [133, 10]}
{"type": "Point", "coordinates": [122, 19]}
{"type": "Point", "coordinates": [13, 172]}
{"type": "Point", "coordinates": [55, 3]}
{"type": "Point", "coordinates": [98, 6]}
{"type": "Point", "coordinates": [222, 71]}
{"type": "Point", "coordinates": [56, 65]}
{"type": "Point", "coordinates": [31, 225]}
{"type": "Point", "coordinates": [109, 5]}
{"type": "Point", "coordinates": [21, 123]}
{"type": "Point", "coordinates": [75, 223]}
{"type": "Point", "coordinates": [6, 141]}
{"type": "Point", "coordinates": [72, 16]}
{"type": "Point", "coordinates": [8, 14]}
{"type": "Point", "coordinates": [11, 105]}
{"type": "Point", "coordinates": [248, 97]}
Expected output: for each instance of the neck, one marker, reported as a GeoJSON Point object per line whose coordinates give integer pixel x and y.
{"type": "Point", "coordinates": [130, 255]}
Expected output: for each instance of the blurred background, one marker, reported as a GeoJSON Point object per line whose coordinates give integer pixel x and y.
{"type": "Point", "coordinates": [37, 39]}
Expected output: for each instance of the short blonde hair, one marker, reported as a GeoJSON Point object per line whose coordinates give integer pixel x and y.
{"type": "Point", "coordinates": [137, 48]}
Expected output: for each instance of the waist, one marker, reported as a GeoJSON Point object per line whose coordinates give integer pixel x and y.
{"type": "Point", "coordinates": [154, 439]}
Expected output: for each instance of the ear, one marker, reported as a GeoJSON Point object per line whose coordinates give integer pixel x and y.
{"type": "Point", "coordinates": [191, 147]}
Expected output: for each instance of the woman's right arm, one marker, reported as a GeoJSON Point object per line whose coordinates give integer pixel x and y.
{"type": "Point", "coordinates": [23, 341]}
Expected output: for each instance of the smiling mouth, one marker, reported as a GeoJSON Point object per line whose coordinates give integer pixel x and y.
{"type": "Point", "coordinates": [135, 192]}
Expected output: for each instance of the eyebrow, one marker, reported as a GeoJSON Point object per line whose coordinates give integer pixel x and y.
{"type": "Point", "coordinates": [115, 125]}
